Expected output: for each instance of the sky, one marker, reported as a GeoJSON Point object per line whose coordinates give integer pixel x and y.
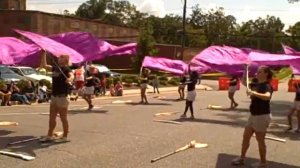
{"type": "Point", "coordinates": [243, 10]}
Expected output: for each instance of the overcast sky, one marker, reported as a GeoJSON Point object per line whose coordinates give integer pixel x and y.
{"type": "Point", "coordinates": [243, 10]}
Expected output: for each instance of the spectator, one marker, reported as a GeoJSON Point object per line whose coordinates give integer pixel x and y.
{"type": "Point", "coordinates": [155, 84]}
{"type": "Point", "coordinates": [112, 90]}
{"type": "Point", "coordinates": [42, 93]}
{"type": "Point", "coordinates": [119, 89]}
{"type": "Point", "coordinates": [29, 91]}
{"type": "Point", "coordinates": [5, 96]}
{"type": "Point", "coordinates": [103, 81]}
{"type": "Point", "coordinates": [16, 94]}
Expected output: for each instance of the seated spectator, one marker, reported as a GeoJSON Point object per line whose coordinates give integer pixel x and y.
{"type": "Point", "coordinates": [5, 96]}
{"type": "Point", "coordinates": [16, 94]}
{"type": "Point", "coordinates": [42, 93]}
{"type": "Point", "coordinates": [112, 90]}
{"type": "Point", "coordinates": [119, 89]}
{"type": "Point", "coordinates": [29, 91]}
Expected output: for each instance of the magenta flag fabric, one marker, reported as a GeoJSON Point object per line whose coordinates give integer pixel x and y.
{"type": "Point", "coordinates": [289, 50]}
{"type": "Point", "coordinates": [232, 60]}
{"type": "Point", "coordinates": [55, 48]}
{"type": "Point", "coordinates": [91, 47]}
{"type": "Point", "coordinates": [164, 64]}
{"type": "Point", "coordinates": [16, 52]}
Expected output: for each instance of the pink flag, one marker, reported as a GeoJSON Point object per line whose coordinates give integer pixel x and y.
{"type": "Point", "coordinates": [91, 47]}
{"type": "Point", "coordinates": [164, 64]}
{"type": "Point", "coordinates": [16, 52]}
{"type": "Point", "coordinates": [55, 48]}
{"type": "Point", "coordinates": [289, 50]}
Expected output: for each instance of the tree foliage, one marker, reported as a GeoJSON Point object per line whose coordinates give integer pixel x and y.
{"type": "Point", "coordinates": [203, 29]}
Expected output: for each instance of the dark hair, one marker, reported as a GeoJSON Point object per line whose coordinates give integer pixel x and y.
{"type": "Point", "coordinates": [268, 71]}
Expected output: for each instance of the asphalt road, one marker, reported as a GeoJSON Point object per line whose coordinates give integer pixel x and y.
{"type": "Point", "coordinates": [125, 135]}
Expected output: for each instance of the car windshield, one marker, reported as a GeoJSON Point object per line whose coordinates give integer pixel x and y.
{"type": "Point", "coordinates": [28, 71]}
{"type": "Point", "coordinates": [5, 70]}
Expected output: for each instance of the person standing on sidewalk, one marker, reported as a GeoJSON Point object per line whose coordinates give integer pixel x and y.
{"type": "Point", "coordinates": [144, 78]}
{"type": "Point", "coordinates": [295, 108]}
{"type": "Point", "coordinates": [89, 87]}
{"type": "Point", "coordinates": [181, 87]}
{"type": "Point", "coordinates": [62, 77]}
{"type": "Point", "coordinates": [231, 91]}
{"type": "Point", "coordinates": [260, 93]}
{"type": "Point", "coordinates": [191, 95]}
{"type": "Point", "coordinates": [155, 84]}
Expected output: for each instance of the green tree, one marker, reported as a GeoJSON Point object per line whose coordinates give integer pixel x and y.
{"type": "Point", "coordinates": [145, 45]}
{"type": "Point", "coordinates": [215, 25]}
{"type": "Point", "coordinates": [294, 32]}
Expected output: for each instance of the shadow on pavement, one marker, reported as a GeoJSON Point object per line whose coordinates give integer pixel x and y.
{"type": "Point", "coordinates": [224, 161]}
{"type": "Point", "coordinates": [172, 100]}
{"type": "Point", "coordinates": [230, 123]}
{"type": "Point", "coordinates": [26, 147]}
{"type": "Point", "coordinates": [153, 104]}
{"type": "Point", "coordinates": [232, 110]}
{"type": "Point", "coordinates": [5, 132]}
{"type": "Point", "coordinates": [282, 134]}
{"type": "Point", "coordinates": [72, 112]}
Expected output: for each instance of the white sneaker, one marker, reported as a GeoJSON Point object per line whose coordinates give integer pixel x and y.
{"type": "Point", "coordinates": [183, 116]}
{"type": "Point", "coordinates": [46, 139]}
{"type": "Point", "coordinates": [61, 140]}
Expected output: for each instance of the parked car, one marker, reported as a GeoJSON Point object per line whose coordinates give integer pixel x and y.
{"type": "Point", "coordinates": [30, 74]}
{"type": "Point", "coordinates": [105, 70]}
{"type": "Point", "coordinates": [8, 75]}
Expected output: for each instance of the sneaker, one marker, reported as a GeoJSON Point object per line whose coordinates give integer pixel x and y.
{"type": "Point", "coordinates": [192, 117]}
{"type": "Point", "coordinates": [237, 162]}
{"type": "Point", "coordinates": [183, 116]}
{"type": "Point", "coordinates": [289, 129]}
{"type": "Point", "coordinates": [259, 165]}
{"type": "Point", "coordinates": [91, 107]}
{"type": "Point", "coordinates": [46, 139]}
{"type": "Point", "coordinates": [61, 140]}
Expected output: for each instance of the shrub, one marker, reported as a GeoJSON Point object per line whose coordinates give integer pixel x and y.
{"type": "Point", "coordinates": [47, 83]}
{"type": "Point", "coordinates": [2, 84]}
{"type": "Point", "coordinates": [174, 81]}
{"type": "Point", "coordinates": [163, 78]}
{"type": "Point", "coordinates": [22, 84]}
{"type": "Point", "coordinates": [109, 81]}
{"type": "Point", "coordinates": [163, 82]}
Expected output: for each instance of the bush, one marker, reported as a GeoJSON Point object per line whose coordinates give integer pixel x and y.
{"type": "Point", "coordinates": [109, 81]}
{"type": "Point", "coordinates": [47, 83]}
{"type": "Point", "coordinates": [174, 81]}
{"type": "Point", "coordinates": [2, 84]}
{"type": "Point", "coordinates": [163, 78]}
{"type": "Point", "coordinates": [22, 84]}
{"type": "Point", "coordinates": [163, 82]}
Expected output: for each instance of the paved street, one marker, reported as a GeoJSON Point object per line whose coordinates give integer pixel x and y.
{"type": "Point", "coordinates": [125, 135]}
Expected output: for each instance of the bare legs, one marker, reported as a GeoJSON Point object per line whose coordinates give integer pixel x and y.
{"type": "Point", "coordinates": [88, 99]}
{"type": "Point", "coordinates": [143, 96]}
{"type": "Point", "coordinates": [233, 104]}
{"type": "Point", "coordinates": [54, 110]}
{"type": "Point", "coordinates": [188, 105]}
{"type": "Point", "coordinates": [181, 92]}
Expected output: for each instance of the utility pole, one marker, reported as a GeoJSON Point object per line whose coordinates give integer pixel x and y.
{"type": "Point", "coordinates": [183, 30]}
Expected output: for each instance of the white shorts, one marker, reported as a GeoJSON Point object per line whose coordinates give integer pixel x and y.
{"type": "Point", "coordinates": [259, 123]}
{"type": "Point", "coordinates": [144, 86]}
{"type": "Point", "coordinates": [88, 90]}
{"type": "Point", "coordinates": [191, 95]}
{"type": "Point", "coordinates": [61, 102]}
{"type": "Point", "coordinates": [232, 89]}
{"type": "Point", "coordinates": [296, 105]}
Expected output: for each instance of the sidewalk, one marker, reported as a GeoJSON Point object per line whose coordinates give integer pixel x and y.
{"type": "Point", "coordinates": [164, 89]}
